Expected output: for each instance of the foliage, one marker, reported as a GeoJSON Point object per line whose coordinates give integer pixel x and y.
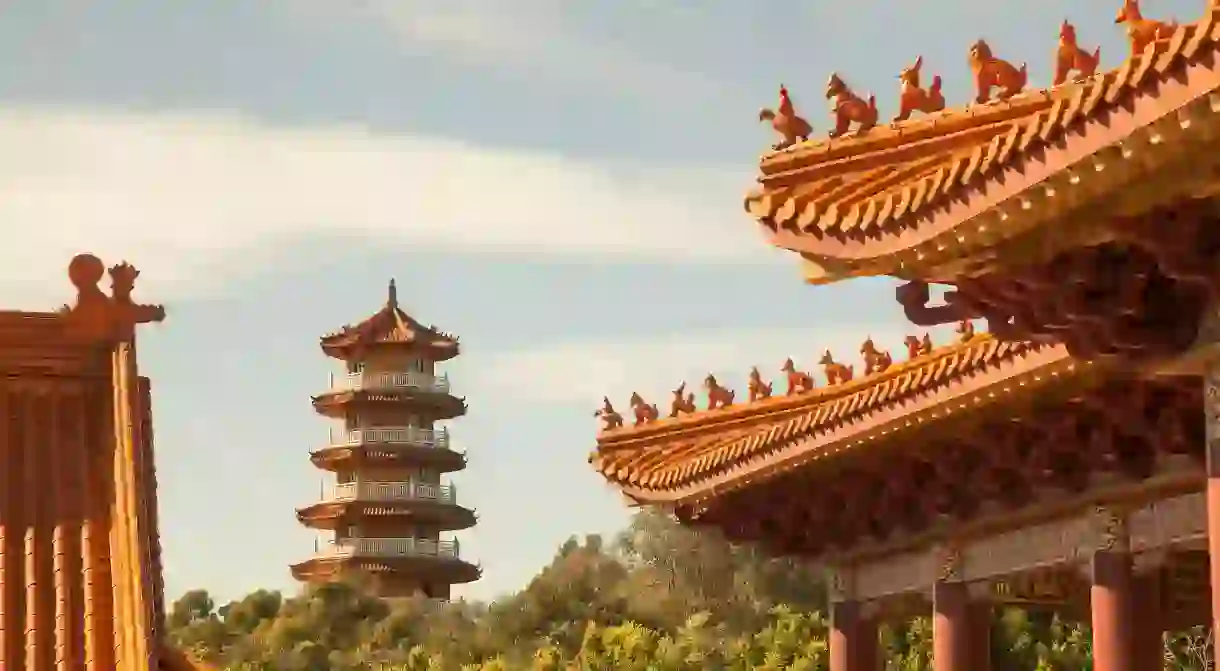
{"type": "Point", "coordinates": [660, 598]}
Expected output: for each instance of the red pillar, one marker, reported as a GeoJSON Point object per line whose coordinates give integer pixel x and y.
{"type": "Point", "coordinates": [853, 639]}
{"type": "Point", "coordinates": [1213, 504]}
{"type": "Point", "coordinates": [1149, 644]}
{"type": "Point", "coordinates": [980, 636]}
{"type": "Point", "coordinates": [950, 627]}
{"type": "Point", "coordinates": [1111, 602]}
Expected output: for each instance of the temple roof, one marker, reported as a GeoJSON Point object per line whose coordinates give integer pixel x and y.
{"type": "Point", "coordinates": [695, 456]}
{"type": "Point", "coordinates": [390, 326]}
{"type": "Point", "coordinates": [889, 199]}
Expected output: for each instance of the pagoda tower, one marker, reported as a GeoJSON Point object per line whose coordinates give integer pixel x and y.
{"type": "Point", "coordinates": [389, 507]}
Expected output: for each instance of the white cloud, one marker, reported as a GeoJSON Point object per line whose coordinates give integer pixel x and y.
{"type": "Point", "coordinates": [582, 373]}
{"type": "Point", "coordinates": [187, 198]}
{"type": "Point", "coordinates": [540, 37]}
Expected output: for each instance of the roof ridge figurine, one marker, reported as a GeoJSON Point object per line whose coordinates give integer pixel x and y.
{"type": "Point", "coordinates": [836, 373]}
{"type": "Point", "coordinates": [791, 126]}
{"type": "Point", "coordinates": [1071, 58]}
{"type": "Point", "coordinates": [849, 107]}
{"type": "Point", "coordinates": [718, 396]}
{"type": "Point", "coordinates": [1140, 31]}
{"type": "Point", "coordinates": [758, 389]}
{"type": "Point", "coordinates": [644, 412]}
{"type": "Point", "coordinates": [992, 72]}
{"type": "Point", "coordinates": [912, 98]}
{"type": "Point", "coordinates": [683, 402]}
{"type": "Point", "coordinates": [798, 381]}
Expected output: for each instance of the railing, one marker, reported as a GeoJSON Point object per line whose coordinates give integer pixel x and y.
{"type": "Point", "coordinates": [369, 380]}
{"type": "Point", "coordinates": [392, 435]}
{"type": "Point", "coordinates": [391, 547]}
{"type": "Point", "coordinates": [395, 491]}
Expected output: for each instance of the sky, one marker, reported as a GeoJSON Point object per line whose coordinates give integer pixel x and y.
{"type": "Point", "coordinates": [559, 183]}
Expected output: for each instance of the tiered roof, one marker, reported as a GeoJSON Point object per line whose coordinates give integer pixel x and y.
{"type": "Point", "coordinates": [390, 326]}
{"type": "Point", "coordinates": [694, 455]}
{"type": "Point", "coordinates": [891, 200]}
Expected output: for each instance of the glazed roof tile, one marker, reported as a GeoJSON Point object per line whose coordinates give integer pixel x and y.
{"type": "Point", "coordinates": [860, 190]}
{"type": "Point", "coordinates": [390, 325]}
{"type": "Point", "coordinates": [693, 456]}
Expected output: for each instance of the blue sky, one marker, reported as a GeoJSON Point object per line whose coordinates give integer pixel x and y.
{"type": "Point", "coordinates": [559, 183]}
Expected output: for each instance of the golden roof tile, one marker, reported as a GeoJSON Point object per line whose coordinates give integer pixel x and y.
{"type": "Point", "coordinates": [862, 203]}
{"type": "Point", "coordinates": [686, 457]}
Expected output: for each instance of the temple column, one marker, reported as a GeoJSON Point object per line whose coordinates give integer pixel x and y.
{"type": "Point", "coordinates": [1211, 405]}
{"type": "Point", "coordinates": [980, 635]}
{"type": "Point", "coordinates": [1111, 598]}
{"type": "Point", "coordinates": [951, 615]}
{"type": "Point", "coordinates": [1148, 632]}
{"type": "Point", "coordinates": [853, 638]}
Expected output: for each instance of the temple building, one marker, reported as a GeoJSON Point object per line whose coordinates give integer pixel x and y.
{"type": "Point", "coordinates": [1067, 459]}
{"type": "Point", "coordinates": [81, 580]}
{"type": "Point", "coordinates": [389, 507]}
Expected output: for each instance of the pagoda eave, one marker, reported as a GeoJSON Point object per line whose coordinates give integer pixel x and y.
{"type": "Point", "coordinates": [335, 515]}
{"type": "Point", "coordinates": [447, 570]}
{"type": "Point", "coordinates": [349, 457]}
{"type": "Point", "coordinates": [443, 406]}
{"type": "Point", "coordinates": [348, 351]}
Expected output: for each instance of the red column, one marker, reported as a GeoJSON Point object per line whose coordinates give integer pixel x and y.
{"type": "Point", "coordinates": [1111, 602]}
{"type": "Point", "coordinates": [950, 627]}
{"type": "Point", "coordinates": [1149, 646]}
{"type": "Point", "coordinates": [853, 639]}
{"type": "Point", "coordinates": [980, 636]}
{"type": "Point", "coordinates": [1211, 407]}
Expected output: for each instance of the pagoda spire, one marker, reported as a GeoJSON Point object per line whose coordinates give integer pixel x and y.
{"type": "Point", "coordinates": [392, 301]}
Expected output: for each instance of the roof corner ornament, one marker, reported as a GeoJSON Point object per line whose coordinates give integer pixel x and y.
{"type": "Point", "coordinates": [758, 389]}
{"type": "Point", "coordinates": [913, 98]}
{"type": "Point", "coordinates": [836, 373]}
{"type": "Point", "coordinates": [1072, 58]}
{"type": "Point", "coordinates": [849, 107]}
{"type": "Point", "coordinates": [875, 360]}
{"type": "Point", "coordinates": [683, 402]}
{"type": "Point", "coordinates": [799, 381]}
{"type": "Point", "coordinates": [644, 411]}
{"type": "Point", "coordinates": [791, 127]}
{"type": "Point", "coordinates": [718, 396]}
{"type": "Point", "coordinates": [1140, 31]}
{"type": "Point", "coordinates": [917, 347]}
{"type": "Point", "coordinates": [611, 419]}
{"type": "Point", "coordinates": [991, 72]}
{"type": "Point", "coordinates": [914, 297]}
{"type": "Point", "coordinates": [392, 298]}
{"type": "Point", "coordinates": [101, 318]}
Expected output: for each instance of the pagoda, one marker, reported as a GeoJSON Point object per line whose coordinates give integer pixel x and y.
{"type": "Point", "coordinates": [388, 506]}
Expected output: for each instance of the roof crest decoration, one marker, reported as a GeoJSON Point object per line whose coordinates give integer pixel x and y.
{"type": "Point", "coordinates": [840, 378]}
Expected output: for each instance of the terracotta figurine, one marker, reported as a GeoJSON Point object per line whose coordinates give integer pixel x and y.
{"type": "Point", "coordinates": [912, 98]}
{"type": "Point", "coordinates": [1071, 58]}
{"type": "Point", "coordinates": [991, 72]}
{"type": "Point", "coordinates": [849, 108]}
{"type": "Point", "coordinates": [790, 126]}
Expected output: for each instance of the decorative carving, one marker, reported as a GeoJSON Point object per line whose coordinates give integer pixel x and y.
{"type": "Point", "coordinates": [875, 360]}
{"type": "Point", "coordinates": [949, 563]}
{"type": "Point", "coordinates": [790, 126]}
{"type": "Point", "coordinates": [1140, 31]}
{"type": "Point", "coordinates": [98, 317]}
{"type": "Point", "coordinates": [837, 587]}
{"type": "Point", "coordinates": [717, 396]}
{"type": "Point", "coordinates": [611, 419]}
{"type": "Point", "coordinates": [683, 403]}
{"type": "Point", "coordinates": [798, 381]}
{"type": "Point", "coordinates": [1113, 534]}
{"type": "Point", "coordinates": [917, 346]}
{"type": "Point", "coordinates": [991, 72]}
{"type": "Point", "coordinates": [1071, 58]}
{"type": "Point", "coordinates": [644, 412]}
{"type": "Point", "coordinates": [912, 98]}
{"type": "Point", "coordinates": [836, 373]}
{"type": "Point", "coordinates": [850, 108]}
{"type": "Point", "coordinates": [964, 330]}
{"type": "Point", "coordinates": [757, 388]}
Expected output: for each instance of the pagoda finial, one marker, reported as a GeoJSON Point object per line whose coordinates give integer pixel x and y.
{"type": "Point", "coordinates": [393, 299]}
